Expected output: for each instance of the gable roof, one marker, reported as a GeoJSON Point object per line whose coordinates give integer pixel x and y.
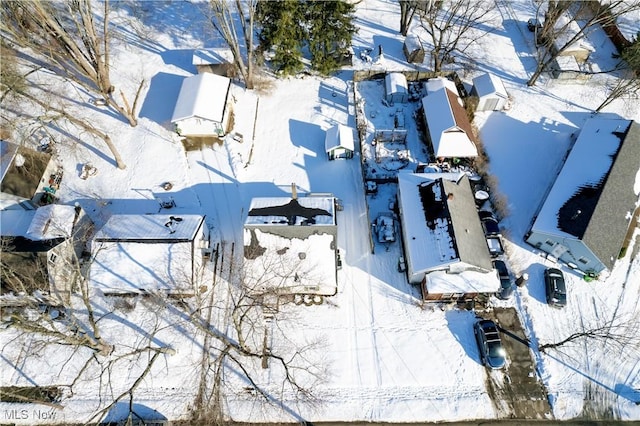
{"type": "Point", "coordinates": [594, 195]}
{"type": "Point", "coordinates": [449, 128]}
{"type": "Point", "coordinates": [441, 229]}
{"type": "Point", "coordinates": [395, 82]}
{"type": "Point", "coordinates": [202, 96]}
{"type": "Point", "coordinates": [339, 136]}
{"type": "Point", "coordinates": [150, 228]}
{"type": "Point", "coordinates": [489, 84]}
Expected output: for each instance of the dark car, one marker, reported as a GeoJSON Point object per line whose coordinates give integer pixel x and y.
{"type": "Point", "coordinates": [555, 287]}
{"type": "Point", "coordinates": [489, 223]}
{"type": "Point", "coordinates": [492, 354]}
{"type": "Point", "coordinates": [506, 283]}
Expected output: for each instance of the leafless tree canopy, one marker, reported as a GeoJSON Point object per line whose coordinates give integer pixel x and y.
{"type": "Point", "coordinates": [561, 16]}
{"type": "Point", "coordinates": [448, 25]}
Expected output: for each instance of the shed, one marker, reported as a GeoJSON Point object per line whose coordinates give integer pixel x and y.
{"type": "Point", "coordinates": [176, 246]}
{"type": "Point", "coordinates": [214, 60]}
{"type": "Point", "coordinates": [440, 226]}
{"type": "Point", "coordinates": [201, 107]}
{"type": "Point", "coordinates": [492, 96]}
{"type": "Point", "coordinates": [290, 245]}
{"type": "Point", "coordinates": [449, 129]}
{"type": "Point", "coordinates": [395, 88]}
{"type": "Point", "coordinates": [589, 209]}
{"type": "Point", "coordinates": [413, 50]}
{"type": "Point", "coordinates": [338, 142]}
{"type": "Point", "coordinates": [567, 29]}
{"type": "Point", "coordinates": [23, 173]}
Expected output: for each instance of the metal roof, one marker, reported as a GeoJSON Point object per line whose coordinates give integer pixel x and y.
{"type": "Point", "coordinates": [202, 96]}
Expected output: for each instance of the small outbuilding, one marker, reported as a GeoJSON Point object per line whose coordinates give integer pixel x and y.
{"type": "Point", "coordinates": [201, 108]}
{"type": "Point", "coordinates": [395, 88]}
{"type": "Point", "coordinates": [492, 96]}
{"type": "Point", "coordinates": [338, 142]}
{"type": "Point", "coordinates": [594, 200]}
{"type": "Point", "coordinates": [413, 50]}
{"type": "Point", "coordinates": [215, 60]}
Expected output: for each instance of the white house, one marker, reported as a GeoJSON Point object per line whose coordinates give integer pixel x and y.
{"type": "Point", "coordinates": [290, 245]}
{"type": "Point", "coordinates": [442, 234]}
{"type": "Point", "coordinates": [395, 88]}
{"type": "Point", "coordinates": [492, 96]}
{"type": "Point", "coordinates": [134, 253]}
{"type": "Point", "coordinates": [338, 142]}
{"type": "Point", "coordinates": [42, 247]}
{"type": "Point", "coordinates": [449, 129]}
{"type": "Point", "coordinates": [590, 207]}
{"type": "Point", "coordinates": [201, 108]}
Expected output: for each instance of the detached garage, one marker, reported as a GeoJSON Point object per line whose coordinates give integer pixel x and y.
{"type": "Point", "coordinates": [395, 88]}
{"type": "Point", "coordinates": [338, 142]}
{"type": "Point", "coordinates": [201, 108]}
{"type": "Point", "coordinates": [492, 96]}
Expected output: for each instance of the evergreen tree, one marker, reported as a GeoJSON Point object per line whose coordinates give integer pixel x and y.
{"type": "Point", "coordinates": [329, 32]}
{"type": "Point", "coordinates": [282, 33]}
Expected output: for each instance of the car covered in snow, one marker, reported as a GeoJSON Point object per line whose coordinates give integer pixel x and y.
{"type": "Point", "coordinates": [384, 229]}
{"type": "Point", "coordinates": [492, 353]}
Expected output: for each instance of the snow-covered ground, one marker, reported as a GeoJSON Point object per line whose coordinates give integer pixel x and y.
{"type": "Point", "coordinates": [384, 356]}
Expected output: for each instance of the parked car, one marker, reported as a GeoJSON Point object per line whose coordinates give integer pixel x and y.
{"type": "Point", "coordinates": [506, 282]}
{"type": "Point", "coordinates": [489, 223]}
{"type": "Point", "coordinates": [492, 353]}
{"type": "Point", "coordinates": [385, 229]}
{"type": "Point", "coordinates": [495, 246]}
{"type": "Point", "coordinates": [555, 287]}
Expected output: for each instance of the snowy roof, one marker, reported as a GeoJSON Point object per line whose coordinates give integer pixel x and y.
{"type": "Point", "coordinates": [203, 96]}
{"type": "Point", "coordinates": [212, 56]}
{"type": "Point", "coordinates": [566, 29]}
{"type": "Point", "coordinates": [52, 221]}
{"type": "Point", "coordinates": [45, 223]}
{"type": "Point", "coordinates": [133, 266]}
{"type": "Point", "coordinates": [440, 221]}
{"type": "Point", "coordinates": [150, 228]}
{"type": "Point", "coordinates": [309, 210]}
{"type": "Point", "coordinates": [8, 151]}
{"type": "Point", "coordinates": [395, 82]}
{"type": "Point", "coordinates": [441, 282]}
{"type": "Point", "coordinates": [308, 262]}
{"type": "Point", "coordinates": [412, 42]}
{"type": "Point", "coordinates": [437, 83]}
{"type": "Point", "coordinates": [628, 22]}
{"type": "Point", "coordinates": [593, 195]}
{"type": "Point", "coordinates": [489, 84]}
{"type": "Point", "coordinates": [449, 127]}
{"type": "Point", "coordinates": [339, 136]}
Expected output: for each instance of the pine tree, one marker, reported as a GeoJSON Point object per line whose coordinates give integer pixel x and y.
{"type": "Point", "coordinates": [330, 29]}
{"type": "Point", "coordinates": [282, 33]}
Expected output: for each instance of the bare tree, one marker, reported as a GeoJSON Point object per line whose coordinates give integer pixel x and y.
{"type": "Point", "coordinates": [65, 38]}
{"type": "Point", "coordinates": [234, 22]}
{"type": "Point", "coordinates": [561, 30]}
{"type": "Point", "coordinates": [628, 85]}
{"type": "Point", "coordinates": [448, 25]}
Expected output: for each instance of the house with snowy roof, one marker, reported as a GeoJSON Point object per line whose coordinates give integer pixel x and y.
{"type": "Point", "coordinates": [201, 108]}
{"type": "Point", "coordinates": [149, 253]}
{"type": "Point", "coordinates": [445, 248]}
{"type": "Point", "coordinates": [41, 248]}
{"type": "Point", "coordinates": [290, 245]}
{"type": "Point", "coordinates": [448, 127]}
{"type": "Point", "coordinates": [589, 209]}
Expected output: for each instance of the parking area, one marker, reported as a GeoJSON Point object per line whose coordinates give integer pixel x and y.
{"type": "Point", "coordinates": [516, 391]}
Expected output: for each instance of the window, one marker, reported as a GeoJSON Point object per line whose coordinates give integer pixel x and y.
{"type": "Point", "coordinates": [583, 260]}
{"type": "Point", "coordinates": [52, 257]}
{"type": "Point", "coordinates": [549, 242]}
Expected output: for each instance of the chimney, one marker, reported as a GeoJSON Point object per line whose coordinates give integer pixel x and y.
{"type": "Point", "coordinates": [294, 192]}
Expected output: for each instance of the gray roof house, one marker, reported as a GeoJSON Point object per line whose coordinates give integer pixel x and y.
{"type": "Point", "coordinates": [588, 210]}
{"type": "Point", "coordinates": [445, 248]}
